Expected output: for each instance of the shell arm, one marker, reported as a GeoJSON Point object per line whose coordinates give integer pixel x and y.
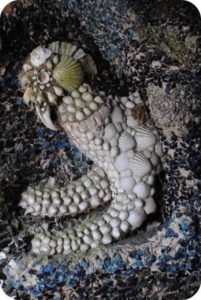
{"type": "Point", "coordinates": [87, 193]}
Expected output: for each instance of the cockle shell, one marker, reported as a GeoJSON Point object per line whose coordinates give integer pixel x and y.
{"type": "Point", "coordinates": [126, 141]}
{"type": "Point", "coordinates": [144, 138]}
{"type": "Point", "coordinates": [39, 56]}
{"type": "Point", "coordinates": [140, 165]}
{"type": "Point", "coordinates": [68, 74]}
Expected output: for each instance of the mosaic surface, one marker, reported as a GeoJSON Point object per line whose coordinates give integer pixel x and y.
{"type": "Point", "coordinates": [140, 51]}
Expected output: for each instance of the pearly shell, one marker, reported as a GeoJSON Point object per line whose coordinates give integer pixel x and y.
{"type": "Point", "coordinates": [140, 165]}
{"type": "Point", "coordinates": [68, 74]}
{"type": "Point", "coordinates": [144, 138]}
{"type": "Point", "coordinates": [39, 56]}
{"type": "Point", "coordinates": [126, 141]}
{"type": "Point", "coordinates": [43, 77]}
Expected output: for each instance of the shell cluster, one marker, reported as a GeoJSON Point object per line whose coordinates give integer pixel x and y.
{"type": "Point", "coordinates": [125, 150]}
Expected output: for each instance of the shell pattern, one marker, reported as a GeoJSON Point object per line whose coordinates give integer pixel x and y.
{"type": "Point", "coordinates": [126, 154]}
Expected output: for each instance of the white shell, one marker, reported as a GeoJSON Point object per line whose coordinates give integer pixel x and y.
{"type": "Point", "coordinates": [136, 218]}
{"type": "Point", "coordinates": [155, 159]}
{"type": "Point", "coordinates": [142, 190]}
{"type": "Point", "coordinates": [125, 227]}
{"type": "Point", "coordinates": [79, 54]}
{"type": "Point", "coordinates": [58, 90]}
{"type": "Point", "coordinates": [39, 56]}
{"type": "Point", "coordinates": [140, 165]}
{"type": "Point", "coordinates": [144, 138]}
{"type": "Point", "coordinates": [27, 67]}
{"type": "Point", "coordinates": [131, 122]}
{"type": "Point", "coordinates": [122, 162]}
{"type": "Point", "coordinates": [117, 115]}
{"type": "Point", "coordinates": [52, 97]}
{"type": "Point", "coordinates": [126, 141]}
{"type": "Point", "coordinates": [110, 131]}
{"type": "Point", "coordinates": [127, 183]}
{"type": "Point", "coordinates": [107, 239]}
{"type": "Point", "coordinates": [150, 206]}
{"type": "Point", "coordinates": [46, 118]}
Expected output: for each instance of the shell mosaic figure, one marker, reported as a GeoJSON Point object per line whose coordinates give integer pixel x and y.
{"type": "Point", "coordinates": [125, 152]}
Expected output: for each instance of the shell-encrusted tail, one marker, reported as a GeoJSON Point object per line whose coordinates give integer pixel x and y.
{"type": "Point", "coordinates": [68, 74]}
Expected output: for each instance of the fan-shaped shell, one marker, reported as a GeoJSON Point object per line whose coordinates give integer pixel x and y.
{"type": "Point", "coordinates": [68, 74]}
{"type": "Point", "coordinates": [126, 141]}
{"type": "Point", "coordinates": [140, 165]}
{"type": "Point", "coordinates": [131, 122]}
{"type": "Point", "coordinates": [144, 138]}
{"type": "Point", "coordinates": [62, 48]}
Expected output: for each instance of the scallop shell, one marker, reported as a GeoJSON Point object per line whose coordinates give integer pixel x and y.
{"type": "Point", "coordinates": [126, 141]}
{"type": "Point", "coordinates": [140, 165]}
{"type": "Point", "coordinates": [131, 122]}
{"type": "Point", "coordinates": [62, 48]}
{"type": "Point", "coordinates": [68, 74]}
{"type": "Point", "coordinates": [144, 138]}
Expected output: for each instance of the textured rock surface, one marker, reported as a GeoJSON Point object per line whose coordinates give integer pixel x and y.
{"type": "Point", "coordinates": [148, 51]}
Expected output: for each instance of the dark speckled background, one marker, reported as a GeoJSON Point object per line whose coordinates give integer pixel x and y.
{"type": "Point", "coordinates": [135, 44]}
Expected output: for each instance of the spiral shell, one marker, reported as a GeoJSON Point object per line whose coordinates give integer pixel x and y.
{"type": "Point", "coordinates": [68, 74]}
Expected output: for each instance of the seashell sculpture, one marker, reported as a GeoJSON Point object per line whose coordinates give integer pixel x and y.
{"type": "Point", "coordinates": [126, 154]}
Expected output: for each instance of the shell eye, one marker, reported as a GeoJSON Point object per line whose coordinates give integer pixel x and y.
{"type": "Point", "coordinates": [43, 77]}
